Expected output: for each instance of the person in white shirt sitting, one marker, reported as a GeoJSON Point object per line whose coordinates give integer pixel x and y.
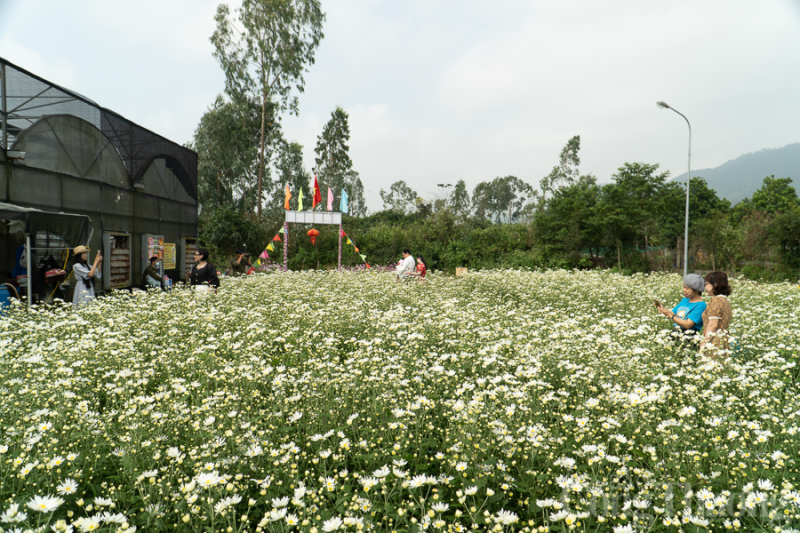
{"type": "Point", "coordinates": [407, 265]}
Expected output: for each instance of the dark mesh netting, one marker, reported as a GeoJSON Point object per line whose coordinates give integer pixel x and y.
{"type": "Point", "coordinates": [27, 98]}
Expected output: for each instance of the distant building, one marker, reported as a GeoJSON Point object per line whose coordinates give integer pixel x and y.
{"type": "Point", "coordinates": [138, 188]}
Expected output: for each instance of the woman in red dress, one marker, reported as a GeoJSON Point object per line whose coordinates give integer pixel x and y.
{"type": "Point", "coordinates": [422, 267]}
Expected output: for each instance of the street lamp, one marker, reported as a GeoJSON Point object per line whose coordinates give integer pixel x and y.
{"type": "Point", "coordinates": [663, 105]}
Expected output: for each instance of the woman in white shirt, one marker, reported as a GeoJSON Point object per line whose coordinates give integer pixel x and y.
{"type": "Point", "coordinates": [84, 276]}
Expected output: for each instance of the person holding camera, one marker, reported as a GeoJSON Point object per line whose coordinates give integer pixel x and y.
{"type": "Point", "coordinates": [242, 263]}
{"type": "Point", "coordinates": [84, 276]}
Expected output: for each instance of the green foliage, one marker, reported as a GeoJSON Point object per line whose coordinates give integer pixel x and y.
{"type": "Point", "coordinates": [631, 205]}
{"type": "Point", "coordinates": [565, 173]}
{"type": "Point", "coordinates": [227, 158]}
{"type": "Point", "coordinates": [703, 203]}
{"type": "Point", "coordinates": [334, 167]}
{"type": "Point", "coordinates": [784, 232]}
{"type": "Point", "coordinates": [460, 200]}
{"type": "Point", "coordinates": [717, 237]}
{"type": "Point", "coordinates": [222, 230]}
{"type": "Point", "coordinates": [291, 172]}
{"type": "Point", "coordinates": [503, 200]}
{"type": "Point", "coordinates": [776, 195]}
{"type": "Point", "coordinates": [400, 197]}
{"type": "Point", "coordinates": [264, 55]}
{"type": "Point", "coordinates": [569, 226]}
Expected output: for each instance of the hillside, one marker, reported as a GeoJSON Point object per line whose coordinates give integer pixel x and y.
{"type": "Point", "coordinates": [741, 177]}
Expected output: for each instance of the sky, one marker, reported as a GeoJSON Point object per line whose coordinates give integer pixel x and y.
{"type": "Point", "coordinates": [442, 90]}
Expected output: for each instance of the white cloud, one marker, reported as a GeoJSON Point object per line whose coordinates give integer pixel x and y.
{"type": "Point", "coordinates": [441, 90]}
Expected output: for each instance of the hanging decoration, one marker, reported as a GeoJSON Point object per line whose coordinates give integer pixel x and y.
{"type": "Point", "coordinates": [313, 233]}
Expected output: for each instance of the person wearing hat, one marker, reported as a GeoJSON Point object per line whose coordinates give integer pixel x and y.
{"type": "Point", "coordinates": [688, 314]}
{"type": "Point", "coordinates": [84, 276]}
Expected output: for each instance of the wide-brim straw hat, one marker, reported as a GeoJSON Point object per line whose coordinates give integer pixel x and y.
{"type": "Point", "coordinates": [79, 250]}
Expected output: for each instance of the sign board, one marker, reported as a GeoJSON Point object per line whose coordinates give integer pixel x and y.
{"type": "Point", "coordinates": [169, 256]}
{"type": "Point", "coordinates": [312, 217]}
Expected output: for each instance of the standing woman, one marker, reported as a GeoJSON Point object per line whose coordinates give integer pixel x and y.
{"type": "Point", "coordinates": [85, 276]}
{"type": "Point", "coordinates": [717, 316]}
{"type": "Point", "coordinates": [688, 314]}
{"type": "Point", "coordinates": [204, 274]}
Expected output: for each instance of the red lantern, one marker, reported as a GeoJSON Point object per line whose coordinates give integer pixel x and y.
{"type": "Point", "coordinates": [313, 234]}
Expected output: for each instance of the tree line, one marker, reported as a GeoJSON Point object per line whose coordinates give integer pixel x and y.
{"type": "Point", "coordinates": [633, 223]}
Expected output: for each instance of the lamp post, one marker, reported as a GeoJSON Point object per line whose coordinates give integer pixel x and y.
{"type": "Point", "coordinates": [688, 177]}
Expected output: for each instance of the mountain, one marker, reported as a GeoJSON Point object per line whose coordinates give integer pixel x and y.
{"type": "Point", "coordinates": [741, 177]}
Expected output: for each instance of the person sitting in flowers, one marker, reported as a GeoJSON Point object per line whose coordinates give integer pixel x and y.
{"type": "Point", "coordinates": [406, 267]}
{"type": "Point", "coordinates": [688, 314]}
{"type": "Point", "coordinates": [717, 316]}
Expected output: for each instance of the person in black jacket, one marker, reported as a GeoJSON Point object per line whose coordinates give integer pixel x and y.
{"type": "Point", "coordinates": [203, 272]}
{"type": "Point", "coordinates": [150, 277]}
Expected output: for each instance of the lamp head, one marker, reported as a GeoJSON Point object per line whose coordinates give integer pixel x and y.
{"type": "Point", "coordinates": [663, 105]}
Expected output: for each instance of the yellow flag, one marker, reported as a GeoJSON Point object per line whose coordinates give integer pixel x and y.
{"type": "Point", "coordinates": [270, 248]}
{"type": "Point", "coordinates": [300, 200]}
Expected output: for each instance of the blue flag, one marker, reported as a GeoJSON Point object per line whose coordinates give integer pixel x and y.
{"type": "Point", "coordinates": [343, 203]}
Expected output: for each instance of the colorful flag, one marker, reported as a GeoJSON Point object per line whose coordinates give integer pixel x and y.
{"type": "Point", "coordinates": [270, 248]}
{"type": "Point", "coordinates": [317, 194]}
{"type": "Point", "coordinates": [264, 255]}
{"type": "Point", "coordinates": [281, 231]}
{"type": "Point", "coordinates": [363, 257]}
{"type": "Point", "coordinates": [288, 197]}
{"type": "Point", "coordinates": [356, 247]}
{"type": "Point", "coordinates": [343, 234]}
{"type": "Point", "coordinates": [276, 238]}
{"type": "Point", "coordinates": [343, 204]}
{"type": "Point", "coordinates": [330, 200]}
{"type": "Point", "coordinates": [349, 241]}
{"type": "Point", "coordinates": [300, 200]}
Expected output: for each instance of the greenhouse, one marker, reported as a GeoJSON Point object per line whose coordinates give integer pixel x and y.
{"type": "Point", "coordinates": [63, 153]}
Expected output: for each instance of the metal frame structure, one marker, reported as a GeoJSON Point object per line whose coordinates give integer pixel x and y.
{"type": "Point", "coordinates": [332, 218]}
{"type": "Point", "coordinates": [27, 98]}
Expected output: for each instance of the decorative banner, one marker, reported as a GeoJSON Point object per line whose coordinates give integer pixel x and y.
{"type": "Point", "coordinates": [330, 200]}
{"type": "Point", "coordinates": [281, 231]}
{"type": "Point", "coordinates": [288, 197]}
{"type": "Point", "coordinates": [317, 194]}
{"type": "Point", "coordinates": [343, 203]}
{"type": "Point", "coordinates": [264, 255]}
{"type": "Point", "coordinates": [276, 238]}
{"type": "Point", "coordinates": [363, 257]}
{"type": "Point", "coordinates": [169, 256]}
{"type": "Point", "coordinates": [356, 247]}
{"type": "Point", "coordinates": [342, 232]}
{"type": "Point", "coordinates": [270, 248]}
{"type": "Point", "coordinates": [300, 200]}
{"type": "Point", "coordinates": [349, 241]}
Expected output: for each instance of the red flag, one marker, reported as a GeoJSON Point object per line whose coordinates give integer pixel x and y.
{"type": "Point", "coordinates": [317, 193]}
{"type": "Point", "coordinates": [276, 238]}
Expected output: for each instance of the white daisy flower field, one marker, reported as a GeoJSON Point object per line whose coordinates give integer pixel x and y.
{"type": "Point", "coordinates": [322, 401]}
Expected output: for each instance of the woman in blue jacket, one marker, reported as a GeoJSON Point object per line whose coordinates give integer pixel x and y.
{"type": "Point", "coordinates": [688, 314]}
